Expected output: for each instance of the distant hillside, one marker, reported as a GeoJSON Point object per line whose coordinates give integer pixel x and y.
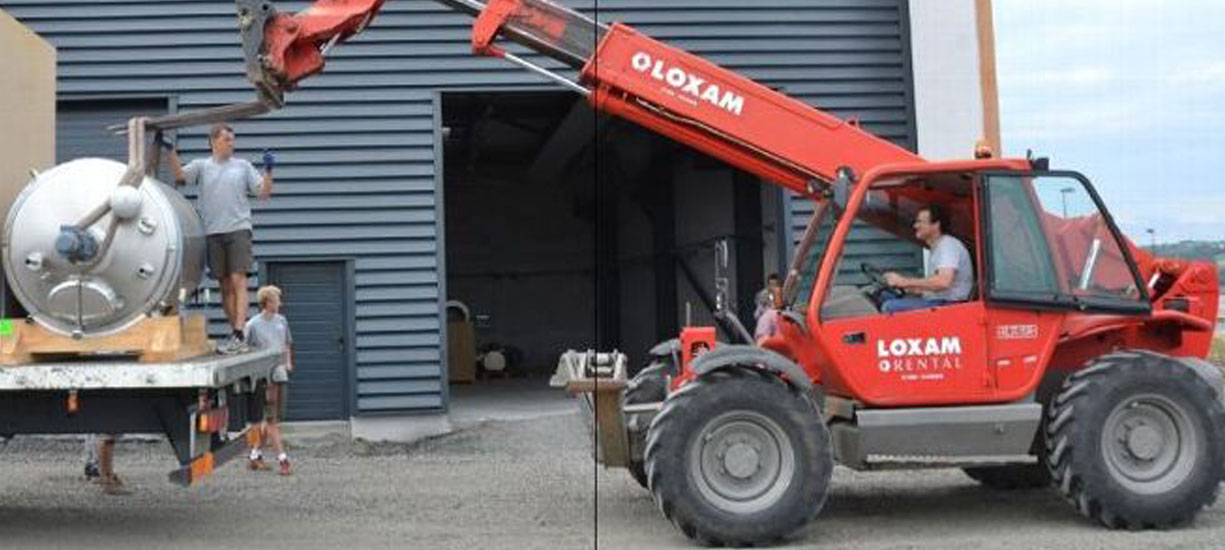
{"type": "Point", "coordinates": [1206, 250]}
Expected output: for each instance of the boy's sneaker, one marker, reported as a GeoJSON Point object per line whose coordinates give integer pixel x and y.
{"type": "Point", "coordinates": [257, 464]}
{"type": "Point", "coordinates": [286, 469]}
{"type": "Point", "coordinates": [91, 471]}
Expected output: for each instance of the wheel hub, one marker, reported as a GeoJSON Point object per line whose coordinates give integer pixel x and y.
{"type": "Point", "coordinates": [1144, 442]}
{"type": "Point", "coordinates": [1149, 444]}
{"type": "Point", "coordinates": [741, 461]}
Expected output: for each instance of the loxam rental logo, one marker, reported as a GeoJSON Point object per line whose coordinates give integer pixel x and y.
{"type": "Point", "coordinates": [926, 358]}
{"type": "Point", "coordinates": [688, 83]}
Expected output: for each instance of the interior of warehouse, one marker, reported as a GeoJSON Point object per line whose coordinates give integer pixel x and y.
{"type": "Point", "coordinates": [570, 230]}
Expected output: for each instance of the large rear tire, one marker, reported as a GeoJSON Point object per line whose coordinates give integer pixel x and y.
{"type": "Point", "coordinates": [739, 457]}
{"type": "Point", "coordinates": [1135, 441]}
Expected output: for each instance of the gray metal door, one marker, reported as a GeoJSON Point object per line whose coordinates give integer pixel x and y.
{"type": "Point", "coordinates": [315, 306]}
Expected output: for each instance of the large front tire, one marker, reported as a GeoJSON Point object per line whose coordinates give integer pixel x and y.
{"type": "Point", "coordinates": [648, 386]}
{"type": "Point", "coordinates": [739, 457]}
{"type": "Point", "coordinates": [1135, 441]}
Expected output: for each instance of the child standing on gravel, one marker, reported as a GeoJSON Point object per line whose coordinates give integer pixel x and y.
{"type": "Point", "coordinates": [270, 330]}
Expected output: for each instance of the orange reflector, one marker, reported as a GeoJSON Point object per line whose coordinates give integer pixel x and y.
{"type": "Point", "coordinates": [201, 467]}
{"type": "Point", "coordinates": [213, 421]}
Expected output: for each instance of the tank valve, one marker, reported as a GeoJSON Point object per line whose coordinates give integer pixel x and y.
{"type": "Point", "coordinates": [76, 245]}
{"type": "Point", "coordinates": [144, 271]}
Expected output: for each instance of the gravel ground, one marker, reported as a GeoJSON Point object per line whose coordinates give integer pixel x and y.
{"type": "Point", "coordinates": [501, 485]}
{"type": "Point", "coordinates": [937, 509]}
{"type": "Point", "coordinates": [496, 485]}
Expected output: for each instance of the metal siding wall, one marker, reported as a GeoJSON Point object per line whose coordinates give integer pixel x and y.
{"type": "Point", "coordinates": [355, 144]}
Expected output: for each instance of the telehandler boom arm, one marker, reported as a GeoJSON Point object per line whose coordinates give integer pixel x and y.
{"type": "Point", "coordinates": [621, 72]}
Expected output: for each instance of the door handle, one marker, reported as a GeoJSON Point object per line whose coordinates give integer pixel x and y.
{"type": "Point", "coordinates": [855, 338]}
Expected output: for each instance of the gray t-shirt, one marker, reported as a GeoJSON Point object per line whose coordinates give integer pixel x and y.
{"type": "Point", "coordinates": [949, 252]}
{"type": "Point", "coordinates": [273, 333]}
{"type": "Point", "coordinates": [224, 187]}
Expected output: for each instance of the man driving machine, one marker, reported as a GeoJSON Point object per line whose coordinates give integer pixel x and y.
{"type": "Point", "coordinates": [950, 275]}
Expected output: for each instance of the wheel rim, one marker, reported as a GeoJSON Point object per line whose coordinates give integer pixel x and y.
{"type": "Point", "coordinates": [742, 462]}
{"type": "Point", "coordinates": [1149, 443]}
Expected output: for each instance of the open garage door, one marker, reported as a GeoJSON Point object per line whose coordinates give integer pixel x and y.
{"type": "Point", "coordinates": [569, 230]}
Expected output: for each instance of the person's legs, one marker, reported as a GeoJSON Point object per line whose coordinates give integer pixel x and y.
{"type": "Point", "coordinates": [106, 466]}
{"type": "Point", "coordinates": [106, 457]}
{"type": "Point", "coordinates": [238, 260]}
{"type": "Point", "coordinates": [256, 455]}
{"type": "Point", "coordinates": [909, 303]}
{"type": "Point", "coordinates": [274, 424]}
{"type": "Point", "coordinates": [91, 457]}
{"type": "Point", "coordinates": [238, 290]}
{"type": "Point", "coordinates": [227, 298]}
{"type": "Point", "coordinates": [218, 267]}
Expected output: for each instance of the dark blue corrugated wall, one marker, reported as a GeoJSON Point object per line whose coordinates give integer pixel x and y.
{"type": "Point", "coordinates": [356, 144]}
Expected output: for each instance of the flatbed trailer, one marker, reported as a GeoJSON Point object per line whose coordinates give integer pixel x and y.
{"type": "Point", "coordinates": [202, 405]}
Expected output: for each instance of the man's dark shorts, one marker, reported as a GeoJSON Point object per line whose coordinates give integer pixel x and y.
{"type": "Point", "coordinates": [229, 253]}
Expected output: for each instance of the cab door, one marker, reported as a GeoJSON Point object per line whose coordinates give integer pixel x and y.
{"type": "Point", "coordinates": [1050, 249]}
{"type": "Point", "coordinates": [923, 357]}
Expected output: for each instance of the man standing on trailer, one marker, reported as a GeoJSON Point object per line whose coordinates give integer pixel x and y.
{"type": "Point", "coordinates": [225, 184]}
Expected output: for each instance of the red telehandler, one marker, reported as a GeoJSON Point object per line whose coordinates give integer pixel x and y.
{"type": "Point", "coordinates": [1077, 360]}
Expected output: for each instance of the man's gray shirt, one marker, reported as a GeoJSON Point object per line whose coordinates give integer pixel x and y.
{"type": "Point", "coordinates": [265, 333]}
{"type": "Point", "coordinates": [949, 252]}
{"type": "Point", "coordinates": [224, 187]}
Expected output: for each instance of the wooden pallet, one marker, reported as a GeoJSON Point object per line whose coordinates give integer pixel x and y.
{"type": "Point", "coordinates": [152, 340]}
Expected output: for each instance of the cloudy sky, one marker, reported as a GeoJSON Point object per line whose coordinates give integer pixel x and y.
{"type": "Point", "coordinates": [1130, 93]}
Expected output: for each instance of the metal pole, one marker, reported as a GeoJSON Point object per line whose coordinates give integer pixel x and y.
{"type": "Point", "coordinates": [547, 74]}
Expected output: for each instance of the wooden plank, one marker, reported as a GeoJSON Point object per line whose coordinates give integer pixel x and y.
{"type": "Point", "coordinates": [152, 340]}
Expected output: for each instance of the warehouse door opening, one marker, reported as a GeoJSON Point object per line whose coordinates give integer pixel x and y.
{"type": "Point", "coordinates": [566, 229]}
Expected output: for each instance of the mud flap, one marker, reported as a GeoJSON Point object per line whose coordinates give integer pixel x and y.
{"type": "Point", "coordinates": [599, 380]}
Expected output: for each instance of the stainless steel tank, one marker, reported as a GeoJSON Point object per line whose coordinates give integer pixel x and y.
{"type": "Point", "coordinates": [154, 261]}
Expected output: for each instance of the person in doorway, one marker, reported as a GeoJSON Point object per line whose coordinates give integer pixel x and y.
{"type": "Point", "coordinates": [767, 298]}
{"type": "Point", "coordinates": [270, 330]}
{"type": "Point", "coordinates": [950, 275]}
{"type": "Point", "coordinates": [225, 183]}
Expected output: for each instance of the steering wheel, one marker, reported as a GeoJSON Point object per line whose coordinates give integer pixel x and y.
{"type": "Point", "coordinates": [879, 290]}
{"type": "Point", "coordinates": [875, 274]}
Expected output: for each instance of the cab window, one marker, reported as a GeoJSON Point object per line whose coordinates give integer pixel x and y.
{"type": "Point", "coordinates": [1050, 241]}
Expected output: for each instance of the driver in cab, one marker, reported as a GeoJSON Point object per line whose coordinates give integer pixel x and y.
{"type": "Point", "coordinates": [950, 275]}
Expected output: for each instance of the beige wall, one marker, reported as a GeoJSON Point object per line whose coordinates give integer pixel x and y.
{"type": "Point", "coordinates": [953, 59]}
{"type": "Point", "coordinates": [27, 107]}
